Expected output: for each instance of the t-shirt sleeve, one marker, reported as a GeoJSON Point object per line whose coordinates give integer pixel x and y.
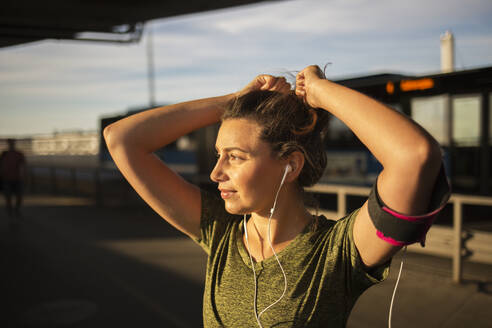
{"type": "Point", "coordinates": [358, 276]}
{"type": "Point", "coordinates": [214, 220]}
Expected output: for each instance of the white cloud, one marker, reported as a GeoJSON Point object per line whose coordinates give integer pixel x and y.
{"type": "Point", "coordinates": [345, 17]}
{"type": "Point", "coordinates": [218, 52]}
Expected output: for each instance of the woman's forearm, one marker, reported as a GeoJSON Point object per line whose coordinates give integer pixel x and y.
{"type": "Point", "coordinates": [391, 137]}
{"type": "Point", "coordinates": [152, 129]}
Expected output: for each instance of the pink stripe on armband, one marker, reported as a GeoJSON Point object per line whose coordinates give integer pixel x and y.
{"type": "Point", "coordinates": [429, 217]}
{"type": "Point", "coordinates": [413, 218]}
{"type": "Point", "coordinates": [390, 240]}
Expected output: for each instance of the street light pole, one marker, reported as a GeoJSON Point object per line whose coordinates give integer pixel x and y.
{"type": "Point", "coordinates": [150, 66]}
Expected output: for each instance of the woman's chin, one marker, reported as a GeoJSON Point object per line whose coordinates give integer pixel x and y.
{"type": "Point", "coordinates": [231, 209]}
{"type": "Point", "coordinates": [235, 212]}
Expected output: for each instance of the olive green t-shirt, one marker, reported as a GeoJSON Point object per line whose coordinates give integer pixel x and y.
{"type": "Point", "coordinates": [325, 275]}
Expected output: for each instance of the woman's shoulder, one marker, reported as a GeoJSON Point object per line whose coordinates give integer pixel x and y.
{"type": "Point", "coordinates": [334, 228]}
{"type": "Point", "coordinates": [324, 223]}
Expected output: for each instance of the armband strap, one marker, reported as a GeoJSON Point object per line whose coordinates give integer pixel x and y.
{"type": "Point", "coordinates": [400, 229]}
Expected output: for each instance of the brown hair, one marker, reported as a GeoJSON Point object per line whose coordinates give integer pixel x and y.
{"type": "Point", "coordinates": [288, 125]}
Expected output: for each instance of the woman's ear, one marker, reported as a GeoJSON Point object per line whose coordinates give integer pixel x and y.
{"type": "Point", "coordinates": [296, 162]}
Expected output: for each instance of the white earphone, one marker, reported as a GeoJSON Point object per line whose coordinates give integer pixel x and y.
{"type": "Point", "coordinates": [288, 169]}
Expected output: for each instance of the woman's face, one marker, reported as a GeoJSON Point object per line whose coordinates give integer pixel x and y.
{"type": "Point", "coordinates": [246, 171]}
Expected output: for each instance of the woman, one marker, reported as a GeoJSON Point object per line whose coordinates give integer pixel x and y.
{"type": "Point", "coordinates": [271, 263]}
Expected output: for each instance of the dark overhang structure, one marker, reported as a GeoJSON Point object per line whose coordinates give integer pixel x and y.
{"type": "Point", "coordinates": [24, 21]}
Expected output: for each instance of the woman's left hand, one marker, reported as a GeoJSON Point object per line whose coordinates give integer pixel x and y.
{"type": "Point", "coordinates": [305, 84]}
{"type": "Point", "coordinates": [266, 82]}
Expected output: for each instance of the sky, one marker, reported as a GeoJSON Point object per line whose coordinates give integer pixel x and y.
{"type": "Point", "coordinates": [52, 85]}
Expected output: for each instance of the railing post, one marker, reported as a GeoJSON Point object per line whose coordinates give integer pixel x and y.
{"type": "Point", "coordinates": [341, 202]}
{"type": "Point", "coordinates": [457, 228]}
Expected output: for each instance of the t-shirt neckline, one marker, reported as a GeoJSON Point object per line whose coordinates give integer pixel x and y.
{"type": "Point", "coordinates": [241, 247]}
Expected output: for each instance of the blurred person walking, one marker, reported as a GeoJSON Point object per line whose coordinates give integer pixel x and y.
{"type": "Point", "coordinates": [13, 173]}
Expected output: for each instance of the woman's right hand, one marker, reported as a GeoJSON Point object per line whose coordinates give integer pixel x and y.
{"type": "Point", "coordinates": [266, 82]}
{"type": "Point", "coordinates": [306, 85]}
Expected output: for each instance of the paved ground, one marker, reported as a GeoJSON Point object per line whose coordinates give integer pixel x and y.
{"type": "Point", "coordinates": [71, 264]}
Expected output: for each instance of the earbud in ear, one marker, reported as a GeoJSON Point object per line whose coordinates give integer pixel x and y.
{"type": "Point", "coordinates": [288, 169]}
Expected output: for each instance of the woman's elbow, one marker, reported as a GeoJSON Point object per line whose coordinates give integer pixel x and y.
{"type": "Point", "coordinates": [428, 155]}
{"type": "Point", "coordinates": [118, 138]}
{"type": "Point", "coordinates": [109, 135]}
{"type": "Point", "coordinates": [422, 155]}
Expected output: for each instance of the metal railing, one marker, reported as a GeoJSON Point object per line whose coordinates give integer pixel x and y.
{"type": "Point", "coordinates": [454, 242]}
{"type": "Point", "coordinates": [458, 238]}
{"type": "Point", "coordinates": [106, 185]}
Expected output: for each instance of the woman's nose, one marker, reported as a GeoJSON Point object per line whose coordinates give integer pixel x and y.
{"type": "Point", "coordinates": [217, 174]}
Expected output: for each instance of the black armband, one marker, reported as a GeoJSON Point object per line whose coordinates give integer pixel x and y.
{"type": "Point", "coordinates": [400, 229]}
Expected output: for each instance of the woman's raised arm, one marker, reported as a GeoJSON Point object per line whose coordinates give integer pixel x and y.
{"type": "Point", "coordinates": [410, 157]}
{"type": "Point", "coordinates": [132, 141]}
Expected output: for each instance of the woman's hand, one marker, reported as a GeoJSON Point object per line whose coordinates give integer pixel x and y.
{"type": "Point", "coordinates": [266, 82]}
{"type": "Point", "coordinates": [305, 85]}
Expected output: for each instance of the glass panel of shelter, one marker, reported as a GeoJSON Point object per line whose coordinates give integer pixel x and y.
{"type": "Point", "coordinates": [454, 121]}
{"type": "Point", "coordinates": [466, 142]}
{"type": "Point", "coordinates": [432, 113]}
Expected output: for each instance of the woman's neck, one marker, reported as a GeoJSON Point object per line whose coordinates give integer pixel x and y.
{"type": "Point", "coordinates": [288, 220]}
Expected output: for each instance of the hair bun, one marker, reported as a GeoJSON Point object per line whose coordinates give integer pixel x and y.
{"type": "Point", "coordinates": [310, 127]}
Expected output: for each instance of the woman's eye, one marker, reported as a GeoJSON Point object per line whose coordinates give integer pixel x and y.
{"type": "Point", "coordinates": [231, 157]}
{"type": "Point", "coordinates": [234, 157]}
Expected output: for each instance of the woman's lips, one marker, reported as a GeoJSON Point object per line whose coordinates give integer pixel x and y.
{"type": "Point", "coordinates": [224, 193]}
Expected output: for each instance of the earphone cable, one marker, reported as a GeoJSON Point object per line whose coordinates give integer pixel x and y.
{"type": "Point", "coordinates": [396, 286]}
{"type": "Point", "coordinates": [273, 250]}
{"type": "Point", "coordinates": [272, 210]}
{"type": "Point", "coordinates": [281, 268]}
{"type": "Point", "coordinates": [254, 272]}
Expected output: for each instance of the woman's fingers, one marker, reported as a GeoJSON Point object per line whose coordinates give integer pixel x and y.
{"type": "Point", "coordinates": [281, 85]}
{"type": "Point", "coordinates": [305, 80]}
{"type": "Point", "coordinates": [273, 83]}
{"type": "Point", "coordinates": [267, 82]}
{"type": "Point", "coordinates": [300, 89]}
{"type": "Point", "coordinates": [310, 72]}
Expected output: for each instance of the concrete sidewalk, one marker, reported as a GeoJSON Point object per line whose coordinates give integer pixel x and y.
{"type": "Point", "coordinates": [71, 264]}
{"type": "Point", "coordinates": [426, 296]}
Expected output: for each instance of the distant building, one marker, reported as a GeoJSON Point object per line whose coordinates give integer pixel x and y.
{"type": "Point", "coordinates": [60, 143]}
{"type": "Point", "coordinates": [66, 143]}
